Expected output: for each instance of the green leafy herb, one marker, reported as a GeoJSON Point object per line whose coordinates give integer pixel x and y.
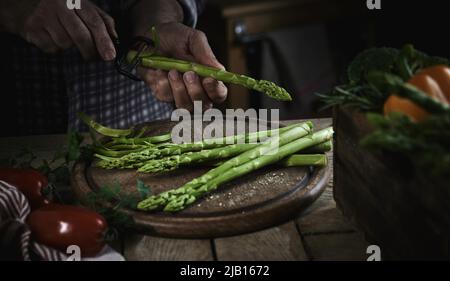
{"type": "Point", "coordinates": [108, 201]}
{"type": "Point", "coordinates": [143, 189]}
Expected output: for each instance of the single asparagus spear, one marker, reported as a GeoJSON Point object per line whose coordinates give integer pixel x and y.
{"type": "Point", "coordinates": [167, 137]}
{"type": "Point", "coordinates": [164, 198]}
{"type": "Point", "coordinates": [127, 147]}
{"type": "Point", "coordinates": [294, 160]}
{"type": "Point", "coordinates": [102, 129]}
{"type": "Point", "coordinates": [316, 149]}
{"type": "Point", "coordinates": [140, 140]}
{"type": "Point", "coordinates": [122, 136]}
{"type": "Point", "coordinates": [116, 153]}
{"type": "Point", "coordinates": [304, 160]}
{"type": "Point", "coordinates": [152, 61]}
{"type": "Point", "coordinates": [175, 161]}
{"type": "Point", "coordinates": [319, 148]}
{"type": "Point", "coordinates": [190, 195]}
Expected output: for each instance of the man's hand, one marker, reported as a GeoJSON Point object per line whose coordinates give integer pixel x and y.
{"type": "Point", "coordinates": [179, 41]}
{"type": "Point", "coordinates": [52, 26]}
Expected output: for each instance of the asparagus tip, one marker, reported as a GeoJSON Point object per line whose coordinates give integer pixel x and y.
{"type": "Point", "coordinates": [274, 91]}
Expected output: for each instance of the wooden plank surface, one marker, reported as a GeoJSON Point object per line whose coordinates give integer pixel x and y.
{"type": "Point", "coordinates": [143, 247]}
{"type": "Point", "coordinates": [280, 243]}
{"type": "Point", "coordinates": [323, 216]}
{"type": "Point", "coordinates": [336, 247]}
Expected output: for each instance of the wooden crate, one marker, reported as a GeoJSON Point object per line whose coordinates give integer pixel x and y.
{"type": "Point", "coordinates": [406, 214]}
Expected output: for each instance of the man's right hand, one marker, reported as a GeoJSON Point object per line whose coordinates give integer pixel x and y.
{"type": "Point", "coordinates": [52, 26]}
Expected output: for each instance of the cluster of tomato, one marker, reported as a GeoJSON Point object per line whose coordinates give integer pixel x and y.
{"type": "Point", "coordinates": [56, 225]}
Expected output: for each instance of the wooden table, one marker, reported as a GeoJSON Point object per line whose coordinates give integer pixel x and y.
{"type": "Point", "coordinates": [320, 233]}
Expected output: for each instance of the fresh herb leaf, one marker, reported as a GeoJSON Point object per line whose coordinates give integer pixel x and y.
{"type": "Point", "coordinates": [144, 190]}
{"type": "Point", "coordinates": [108, 201]}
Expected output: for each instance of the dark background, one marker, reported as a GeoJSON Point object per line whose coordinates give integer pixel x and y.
{"type": "Point", "coordinates": [354, 28]}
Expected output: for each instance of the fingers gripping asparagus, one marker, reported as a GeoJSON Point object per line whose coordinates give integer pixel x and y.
{"type": "Point", "coordinates": [184, 192]}
{"type": "Point", "coordinates": [269, 88]}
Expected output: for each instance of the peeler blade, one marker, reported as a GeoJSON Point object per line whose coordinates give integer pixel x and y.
{"type": "Point", "coordinates": [128, 68]}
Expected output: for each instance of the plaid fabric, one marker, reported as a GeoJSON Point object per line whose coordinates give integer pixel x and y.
{"type": "Point", "coordinates": [51, 89]}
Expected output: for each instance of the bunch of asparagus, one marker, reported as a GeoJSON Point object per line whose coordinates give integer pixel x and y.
{"type": "Point", "coordinates": [290, 142]}
{"type": "Point", "coordinates": [230, 157]}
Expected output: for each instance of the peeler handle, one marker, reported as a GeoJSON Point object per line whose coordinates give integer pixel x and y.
{"type": "Point", "coordinates": [124, 67]}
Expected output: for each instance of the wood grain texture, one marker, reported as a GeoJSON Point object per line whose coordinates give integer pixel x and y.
{"type": "Point", "coordinates": [280, 243]}
{"type": "Point", "coordinates": [323, 221]}
{"type": "Point", "coordinates": [148, 248]}
{"type": "Point", "coordinates": [335, 247]}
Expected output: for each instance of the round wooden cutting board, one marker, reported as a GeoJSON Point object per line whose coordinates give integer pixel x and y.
{"type": "Point", "coordinates": [261, 199]}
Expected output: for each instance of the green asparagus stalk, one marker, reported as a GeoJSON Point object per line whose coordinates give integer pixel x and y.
{"type": "Point", "coordinates": [102, 129]}
{"type": "Point", "coordinates": [148, 59]}
{"type": "Point", "coordinates": [139, 141]}
{"type": "Point", "coordinates": [296, 160]}
{"type": "Point", "coordinates": [117, 153]}
{"type": "Point", "coordinates": [127, 147]}
{"type": "Point", "coordinates": [165, 198]}
{"type": "Point", "coordinates": [122, 136]}
{"type": "Point", "coordinates": [175, 161]}
{"type": "Point", "coordinates": [190, 195]}
{"type": "Point", "coordinates": [319, 148]}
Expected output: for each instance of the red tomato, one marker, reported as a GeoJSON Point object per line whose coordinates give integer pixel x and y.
{"type": "Point", "coordinates": [29, 181]}
{"type": "Point", "coordinates": [60, 226]}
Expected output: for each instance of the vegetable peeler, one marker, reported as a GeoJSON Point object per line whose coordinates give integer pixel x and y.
{"type": "Point", "coordinates": [140, 44]}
